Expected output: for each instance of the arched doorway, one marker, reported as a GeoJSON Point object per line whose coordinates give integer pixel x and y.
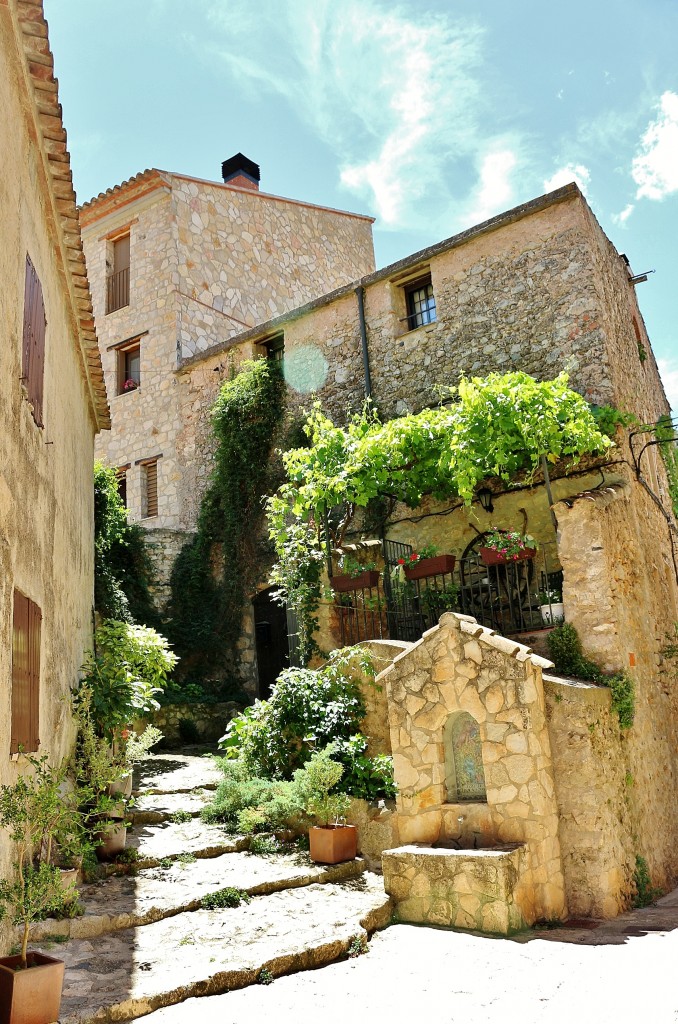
{"type": "Point", "coordinates": [270, 626]}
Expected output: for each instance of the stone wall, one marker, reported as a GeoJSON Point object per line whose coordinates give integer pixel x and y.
{"type": "Point", "coordinates": [461, 666]}
{"type": "Point", "coordinates": [621, 595]}
{"type": "Point", "coordinates": [209, 720]}
{"type": "Point", "coordinates": [592, 790]}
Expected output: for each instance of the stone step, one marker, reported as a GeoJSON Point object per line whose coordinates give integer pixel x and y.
{"type": "Point", "coordinates": [175, 773]}
{"type": "Point", "coordinates": [129, 973]}
{"type": "Point", "coordinates": [152, 895]}
{"type": "Point", "coordinates": [157, 841]}
{"type": "Point", "coordinates": [151, 808]}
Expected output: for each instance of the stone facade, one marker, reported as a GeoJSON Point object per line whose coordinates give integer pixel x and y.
{"type": "Point", "coordinates": [206, 260]}
{"type": "Point", "coordinates": [46, 492]}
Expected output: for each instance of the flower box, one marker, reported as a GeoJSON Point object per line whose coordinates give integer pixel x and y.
{"type": "Point", "coordinates": [344, 583]}
{"type": "Point", "coordinates": [32, 996]}
{"type": "Point", "coordinates": [435, 566]}
{"type": "Point", "coordinates": [491, 557]}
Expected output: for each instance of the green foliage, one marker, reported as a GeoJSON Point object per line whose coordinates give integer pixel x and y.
{"type": "Point", "coordinates": [322, 774]}
{"type": "Point", "coordinates": [228, 897]}
{"type": "Point", "coordinates": [181, 817]}
{"type": "Point", "coordinates": [608, 419]}
{"type": "Point", "coordinates": [646, 893]}
{"type": "Point", "coordinates": [623, 698]}
{"type": "Point", "coordinates": [264, 845]}
{"type": "Point", "coordinates": [123, 572]}
{"type": "Point", "coordinates": [357, 946]}
{"type": "Point", "coordinates": [217, 568]}
{"type": "Point", "coordinates": [665, 433]}
{"type": "Point", "coordinates": [307, 708]}
{"type": "Point", "coordinates": [254, 804]}
{"type": "Point", "coordinates": [497, 426]}
{"type": "Point", "coordinates": [194, 691]}
{"type": "Point", "coordinates": [565, 650]}
{"type": "Point", "coordinates": [129, 666]}
{"type": "Point", "coordinates": [137, 747]}
{"type": "Point", "coordinates": [128, 856]}
{"type": "Point", "coordinates": [366, 778]}
{"type": "Point", "coordinates": [265, 977]}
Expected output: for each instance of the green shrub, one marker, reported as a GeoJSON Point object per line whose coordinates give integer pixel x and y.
{"type": "Point", "coordinates": [646, 893]}
{"type": "Point", "coordinates": [263, 845]}
{"type": "Point", "coordinates": [228, 897]}
{"type": "Point", "coordinates": [254, 804]}
{"type": "Point", "coordinates": [322, 775]}
{"type": "Point", "coordinates": [565, 650]}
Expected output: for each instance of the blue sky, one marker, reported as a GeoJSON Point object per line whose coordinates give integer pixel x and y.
{"type": "Point", "coordinates": [430, 115]}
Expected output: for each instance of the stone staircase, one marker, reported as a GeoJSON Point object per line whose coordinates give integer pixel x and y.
{"type": "Point", "coordinates": [145, 942]}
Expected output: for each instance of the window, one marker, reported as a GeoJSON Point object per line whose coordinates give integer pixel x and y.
{"type": "Point", "coordinates": [150, 496]}
{"type": "Point", "coordinates": [33, 342]}
{"type": "Point", "coordinates": [464, 772]}
{"type": "Point", "coordinates": [129, 366]}
{"type": "Point", "coordinates": [121, 474]}
{"type": "Point", "coordinates": [421, 303]}
{"type": "Point", "coordinates": [26, 622]}
{"type": "Point", "coordinates": [275, 347]}
{"type": "Point", "coordinates": [117, 284]}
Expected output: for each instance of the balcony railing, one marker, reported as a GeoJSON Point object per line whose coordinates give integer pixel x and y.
{"type": "Point", "coordinates": [503, 597]}
{"type": "Point", "coordinates": [117, 290]}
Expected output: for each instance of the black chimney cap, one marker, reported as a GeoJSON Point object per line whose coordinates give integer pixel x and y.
{"type": "Point", "coordinates": [240, 164]}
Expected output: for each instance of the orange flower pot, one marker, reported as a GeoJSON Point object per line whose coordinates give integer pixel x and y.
{"type": "Point", "coordinates": [333, 843]}
{"type": "Point", "coordinates": [436, 566]}
{"type": "Point", "coordinates": [32, 996]}
{"type": "Point", "coordinates": [344, 583]}
{"type": "Point", "coordinates": [491, 557]}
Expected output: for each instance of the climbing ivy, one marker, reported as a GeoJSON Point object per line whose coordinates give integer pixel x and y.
{"type": "Point", "coordinates": [123, 572]}
{"type": "Point", "coordinates": [221, 563]}
{"type": "Point", "coordinates": [665, 432]}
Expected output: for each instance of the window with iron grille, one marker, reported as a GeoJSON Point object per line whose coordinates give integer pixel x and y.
{"type": "Point", "coordinates": [129, 367]}
{"type": "Point", "coordinates": [117, 284]}
{"type": "Point", "coordinates": [421, 303]}
{"type": "Point", "coordinates": [33, 342]}
{"type": "Point", "coordinates": [26, 623]}
{"type": "Point", "coordinates": [150, 471]}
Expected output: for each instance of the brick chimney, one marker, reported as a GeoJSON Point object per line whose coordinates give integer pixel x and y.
{"type": "Point", "coordinates": [241, 172]}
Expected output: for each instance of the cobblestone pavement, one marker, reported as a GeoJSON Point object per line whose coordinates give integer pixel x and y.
{"type": "Point", "coordinates": [618, 973]}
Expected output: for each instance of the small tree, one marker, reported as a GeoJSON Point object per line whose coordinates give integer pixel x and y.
{"type": "Point", "coordinates": [32, 811]}
{"type": "Point", "coordinates": [319, 776]}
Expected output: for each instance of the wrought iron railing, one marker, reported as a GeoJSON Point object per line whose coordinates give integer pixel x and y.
{"type": "Point", "coordinates": [117, 290]}
{"type": "Point", "coordinates": [503, 597]}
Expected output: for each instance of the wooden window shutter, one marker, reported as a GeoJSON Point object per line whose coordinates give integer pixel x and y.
{"type": "Point", "coordinates": [33, 342]}
{"type": "Point", "coordinates": [26, 628]}
{"type": "Point", "coordinates": [151, 489]}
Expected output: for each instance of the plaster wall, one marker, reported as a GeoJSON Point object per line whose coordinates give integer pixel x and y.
{"type": "Point", "coordinates": [46, 494]}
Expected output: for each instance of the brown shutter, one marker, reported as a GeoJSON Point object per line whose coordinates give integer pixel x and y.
{"type": "Point", "coordinates": [25, 674]}
{"type": "Point", "coordinates": [34, 632]}
{"type": "Point", "coordinates": [33, 342]}
{"type": "Point", "coordinates": [151, 489]}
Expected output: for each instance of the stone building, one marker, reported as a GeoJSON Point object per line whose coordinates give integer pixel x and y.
{"type": "Point", "coordinates": [180, 266]}
{"type": "Point", "coordinates": [52, 403]}
{"type": "Point", "coordinates": [541, 289]}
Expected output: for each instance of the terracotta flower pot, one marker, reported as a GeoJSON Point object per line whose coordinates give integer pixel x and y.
{"type": "Point", "coordinates": [343, 583]}
{"type": "Point", "coordinates": [32, 996]}
{"type": "Point", "coordinates": [112, 840]}
{"type": "Point", "coordinates": [333, 843]}
{"type": "Point", "coordinates": [435, 566]}
{"type": "Point", "coordinates": [491, 557]}
{"type": "Point", "coordinates": [123, 787]}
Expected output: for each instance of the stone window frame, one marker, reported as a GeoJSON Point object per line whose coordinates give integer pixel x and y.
{"type": "Point", "coordinates": [273, 347]}
{"type": "Point", "coordinates": [421, 303]}
{"type": "Point", "coordinates": [403, 289]}
{"type": "Point", "coordinates": [150, 491]}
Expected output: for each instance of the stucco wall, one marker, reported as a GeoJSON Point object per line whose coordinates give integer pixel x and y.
{"type": "Point", "coordinates": [46, 493]}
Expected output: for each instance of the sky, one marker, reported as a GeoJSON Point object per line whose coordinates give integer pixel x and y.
{"type": "Point", "coordinates": [431, 115]}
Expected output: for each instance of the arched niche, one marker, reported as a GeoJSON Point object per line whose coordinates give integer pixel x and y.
{"type": "Point", "coordinates": [464, 772]}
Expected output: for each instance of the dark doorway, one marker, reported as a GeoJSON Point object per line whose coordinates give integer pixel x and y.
{"type": "Point", "coordinates": [270, 625]}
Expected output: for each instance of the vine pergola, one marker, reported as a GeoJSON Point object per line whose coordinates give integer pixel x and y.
{"type": "Point", "coordinates": [497, 426]}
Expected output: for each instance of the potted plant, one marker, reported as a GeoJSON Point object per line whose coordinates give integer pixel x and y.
{"type": "Point", "coordinates": [30, 981]}
{"type": "Point", "coordinates": [354, 575]}
{"type": "Point", "coordinates": [551, 607]}
{"type": "Point", "coordinates": [503, 546]}
{"type": "Point", "coordinates": [426, 562]}
{"type": "Point", "coordinates": [330, 840]}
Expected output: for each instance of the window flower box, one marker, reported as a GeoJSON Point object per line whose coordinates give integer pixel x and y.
{"type": "Point", "coordinates": [489, 556]}
{"type": "Point", "coordinates": [343, 582]}
{"type": "Point", "coordinates": [436, 566]}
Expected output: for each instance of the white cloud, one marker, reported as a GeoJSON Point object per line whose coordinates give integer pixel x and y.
{"type": "Point", "coordinates": [655, 168]}
{"type": "Point", "coordinates": [494, 191]}
{"type": "Point", "coordinates": [394, 94]}
{"type": "Point", "coordinates": [566, 174]}
{"type": "Point", "coordinates": [621, 218]}
{"type": "Point", "coordinates": [668, 370]}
